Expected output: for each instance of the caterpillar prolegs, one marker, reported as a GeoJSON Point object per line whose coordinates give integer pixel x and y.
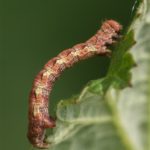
{"type": "Point", "coordinates": [39, 118]}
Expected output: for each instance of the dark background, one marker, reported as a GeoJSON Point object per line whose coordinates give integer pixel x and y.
{"type": "Point", "coordinates": [32, 32]}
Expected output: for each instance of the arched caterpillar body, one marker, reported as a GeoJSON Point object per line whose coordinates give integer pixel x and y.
{"type": "Point", "coordinates": [39, 118]}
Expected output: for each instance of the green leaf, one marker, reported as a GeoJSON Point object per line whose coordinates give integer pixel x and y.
{"type": "Point", "coordinates": [112, 113]}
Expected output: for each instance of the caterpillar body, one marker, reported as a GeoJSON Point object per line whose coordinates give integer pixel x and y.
{"type": "Point", "coordinates": [39, 119]}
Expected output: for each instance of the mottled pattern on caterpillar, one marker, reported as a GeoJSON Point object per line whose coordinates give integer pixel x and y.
{"type": "Point", "coordinates": [39, 118]}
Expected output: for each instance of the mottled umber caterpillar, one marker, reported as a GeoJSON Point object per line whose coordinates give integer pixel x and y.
{"type": "Point", "coordinates": [39, 118]}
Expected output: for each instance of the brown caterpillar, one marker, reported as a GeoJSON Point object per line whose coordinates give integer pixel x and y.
{"type": "Point", "coordinates": [39, 118]}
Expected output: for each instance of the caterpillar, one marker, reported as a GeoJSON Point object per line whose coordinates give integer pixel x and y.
{"type": "Point", "coordinates": [38, 116]}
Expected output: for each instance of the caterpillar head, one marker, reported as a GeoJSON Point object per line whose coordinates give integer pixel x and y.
{"type": "Point", "coordinates": [115, 25]}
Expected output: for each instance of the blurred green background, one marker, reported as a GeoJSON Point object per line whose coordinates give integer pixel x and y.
{"type": "Point", "coordinates": [32, 32]}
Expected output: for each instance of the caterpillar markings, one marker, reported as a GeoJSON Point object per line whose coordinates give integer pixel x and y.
{"type": "Point", "coordinates": [39, 118]}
